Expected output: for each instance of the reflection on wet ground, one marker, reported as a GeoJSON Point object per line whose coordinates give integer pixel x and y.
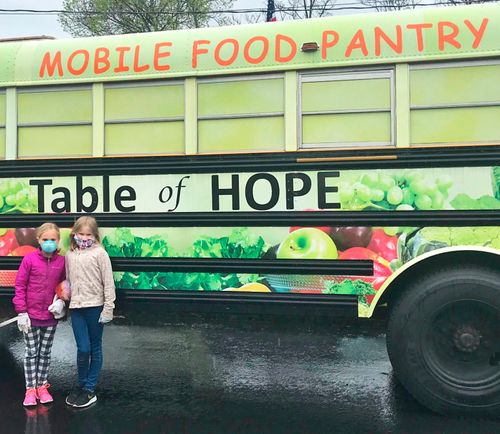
{"type": "Point", "coordinates": [226, 374]}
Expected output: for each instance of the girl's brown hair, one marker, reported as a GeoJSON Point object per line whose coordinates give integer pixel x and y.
{"type": "Point", "coordinates": [47, 227]}
{"type": "Point", "coordinates": [79, 224]}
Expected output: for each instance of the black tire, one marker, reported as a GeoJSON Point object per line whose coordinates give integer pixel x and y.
{"type": "Point", "coordinates": [443, 339]}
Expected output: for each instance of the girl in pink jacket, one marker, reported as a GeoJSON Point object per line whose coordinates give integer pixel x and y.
{"type": "Point", "coordinates": [39, 274]}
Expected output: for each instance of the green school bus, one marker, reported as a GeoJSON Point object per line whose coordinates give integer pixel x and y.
{"type": "Point", "coordinates": [349, 163]}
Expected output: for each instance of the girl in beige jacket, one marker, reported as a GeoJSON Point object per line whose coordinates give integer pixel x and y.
{"type": "Point", "coordinates": [88, 269]}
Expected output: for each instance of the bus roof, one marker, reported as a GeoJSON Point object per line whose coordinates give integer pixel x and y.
{"type": "Point", "coordinates": [364, 39]}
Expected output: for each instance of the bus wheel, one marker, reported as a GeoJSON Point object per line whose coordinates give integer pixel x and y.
{"type": "Point", "coordinates": [443, 340]}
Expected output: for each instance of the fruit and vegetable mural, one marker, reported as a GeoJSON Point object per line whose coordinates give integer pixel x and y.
{"type": "Point", "coordinates": [388, 247]}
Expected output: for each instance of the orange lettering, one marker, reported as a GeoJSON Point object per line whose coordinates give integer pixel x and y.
{"type": "Point", "coordinates": [450, 37]}
{"type": "Point", "coordinates": [86, 58]}
{"type": "Point", "coordinates": [121, 58]}
{"type": "Point", "coordinates": [197, 51]}
{"type": "Point", "coordinates": [478, 33]}
{"type": "Point", "coordinates": [232, 58]}
{"type": "Point", "coordinates": [137, 67]}
{"type": "Point", "coordinates": [101, 59]}
{"type": "Point", "coordinates": [291, 43]}
{"type": "Point", "coordinates": [357, 42]}
{"type": "Point", "coordinates": [396, 46]}
{"type": "Point", "coordinates": [261, 56]}
{"type": "Point", "coordinates": [160, 55]}
{"type": "Point", "coordinates": [327, 43]}
{"type": "Point", "coordinates": [50, 67]}
{"type": "Point", "coordinates": [418, 29]}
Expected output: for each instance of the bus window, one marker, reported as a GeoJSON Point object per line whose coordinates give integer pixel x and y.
{"type": "Point", "coordinates": [54, 122]}
{"type": "Point", "coordinates": [241, 114]}
{"type": "Point", "coordinates": [144, 119]}
{"type": "Point", "coordinates": [455, 103]}
{"type": "Point", "coordinates": [333, 106]}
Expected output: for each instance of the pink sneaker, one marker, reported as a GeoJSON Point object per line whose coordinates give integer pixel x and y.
{"type": "Point", "coordinates": [43, 394]}
{"type": "Point", "coordinates": [30, 397]}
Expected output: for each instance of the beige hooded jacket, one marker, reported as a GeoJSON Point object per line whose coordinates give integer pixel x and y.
{"type": "Point", "coordinates": [91, 278]}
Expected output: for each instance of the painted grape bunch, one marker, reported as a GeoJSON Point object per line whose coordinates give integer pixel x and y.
{"type": "Point", "coordinates": [402, 191]}
{"type": "Point", "coordinates": [17, 196]}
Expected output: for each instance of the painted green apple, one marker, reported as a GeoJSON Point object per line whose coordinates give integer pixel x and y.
{"type": "Point", "coordinates": [307, 243]}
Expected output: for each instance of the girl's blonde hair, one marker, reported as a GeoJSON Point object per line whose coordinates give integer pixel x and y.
{"type": "Point", "coordinates": [79, 224]}
{"type": "Point", "coordinates": [40, 230]}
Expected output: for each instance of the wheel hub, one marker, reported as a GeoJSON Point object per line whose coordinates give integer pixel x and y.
{"type": "Point", "coordinates": [467, 339]}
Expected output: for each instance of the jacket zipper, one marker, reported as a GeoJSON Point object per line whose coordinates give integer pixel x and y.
{"type": "Point", "coordinates": [47, 269]}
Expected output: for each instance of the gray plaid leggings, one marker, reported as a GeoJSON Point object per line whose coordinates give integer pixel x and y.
{"type": "Point", "coordinates": [38, 345]}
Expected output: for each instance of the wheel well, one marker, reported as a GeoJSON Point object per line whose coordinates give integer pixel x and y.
{"type": "Point", "coordinates": [435, 263]}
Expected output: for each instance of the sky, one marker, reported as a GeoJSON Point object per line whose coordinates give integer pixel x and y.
{"type": "Point", "coordinates": [36, 25]}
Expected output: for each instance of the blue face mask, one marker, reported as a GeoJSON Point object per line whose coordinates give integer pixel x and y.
{"type": "Point", "coordinates": [49, 246]}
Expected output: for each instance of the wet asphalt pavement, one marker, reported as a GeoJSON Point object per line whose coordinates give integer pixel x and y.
{"type": "Point", "coordinates": [185, 373]}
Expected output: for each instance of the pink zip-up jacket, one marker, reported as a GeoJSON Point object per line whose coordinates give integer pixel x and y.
{"type": "Point", "coordinates": [36, 282]}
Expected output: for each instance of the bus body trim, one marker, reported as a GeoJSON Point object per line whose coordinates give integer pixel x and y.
{"type": "Point", "coordinates": [368, 312]}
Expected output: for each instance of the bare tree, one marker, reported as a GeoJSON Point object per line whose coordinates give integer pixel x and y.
{"type": "Point", "coordinates": [464, 2]}
{"type": "Point", "coordinates": [109, 17]}
{"type": "Point", "coordinates": [297, 9]}
{"type": "Point", "coordinates": [391, 5]}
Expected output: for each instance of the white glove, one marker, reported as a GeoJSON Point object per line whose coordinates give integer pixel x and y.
{"type": "Point", "coordinates": [105, 318]}
{"type": "Point", "coordinates": [23, 322]}
{"type": "Point", "coordinates": [57, 308]}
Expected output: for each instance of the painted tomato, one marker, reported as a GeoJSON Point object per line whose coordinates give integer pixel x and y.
{"type": "Point", "coordinates": [22, 250]}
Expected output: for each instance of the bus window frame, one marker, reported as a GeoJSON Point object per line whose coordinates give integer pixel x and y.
{"type": "Point", "coordinates": [19, 90]}
{"type": "Point", "coordinates": [451, 64]}
{"type": "Point", "coordinates": [385, 72]}
{"type": "Point", "coordinates": [259, 115]}
{"type": "Point", "coordinates": [144, 120]}
{"type": "Point", "coordinates": [142, 83]}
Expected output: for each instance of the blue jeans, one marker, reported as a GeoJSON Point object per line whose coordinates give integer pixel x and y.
{"type": "Point", "coordinates": [88, 337]}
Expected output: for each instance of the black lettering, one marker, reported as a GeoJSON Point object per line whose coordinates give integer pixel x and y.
{"type": "Point", "coordinates": [105, 193]}
{"type": "Point", "coordinates": [41, 183]}
{"type": "Point", "coordinates": [291, 194]}
{"type": "Point", "coordinates": [323, 189]}
{"type": "Point", "coordinates": [233, 191]}
{"type": "Point", "coordinates": [179, 187]}
{"type": "Point", "coordinates": [64, 200]}
{"type": "Point", "coordinates": [275, 191]}
{"type": "Point", "coordinates": [80, 192]}
{"type": "Point", "coordinates": [120, 197]}
{"type": "Point", "coordinates": [169, 191]}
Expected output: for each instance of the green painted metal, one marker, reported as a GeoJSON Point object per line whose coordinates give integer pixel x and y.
{"type": "Point", "coordinates": [98, 120]}
{"type": "Point", "coordinates": [240, 97]}
{"type": "Point", "coordinates": [3, 108]}
{"type": "Point", "coordinates": [144, 102]}
{"type": "Point", "coordinates": [145, 138]}
{"type": "Point", "coordinates": [50, 141]}
{"type": "Point", "coordinates": [350, 94]}
{"type": "Point", "coordinates": [191, 116]}
{"type": "Point", "coordinates": [252, 134]}
{"type": "Point", "coordinates": [455, 85]}
{"type": "Point", "coordinates": [393, 37]}
{"type": "Point", "coordinates": [67, 106]}
{"type": "Point", "coordinates": [456, 125]}
{"type": "Point", "coordinates": [402, 96]}
{"type": "Point", "coordinates": [11, 124]}
{"type": "Point", "coordinates": [291, 110]}
{"type": "Point", "coordinates": [347, 128]}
